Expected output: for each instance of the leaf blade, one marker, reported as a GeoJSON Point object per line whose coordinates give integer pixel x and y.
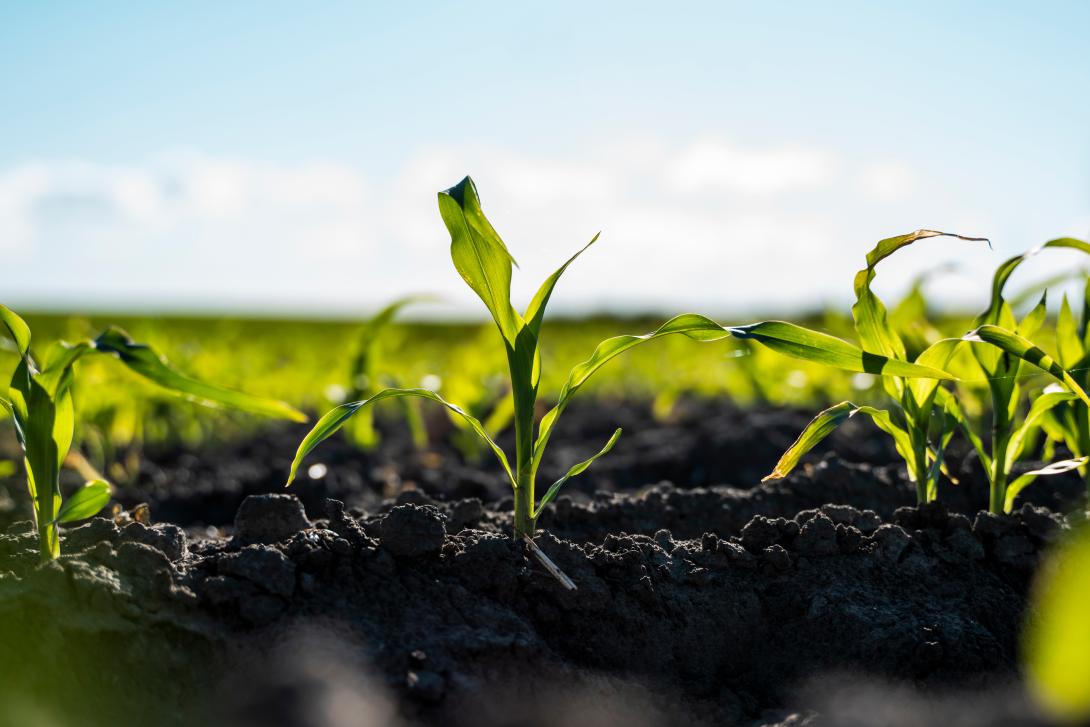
{"type": "Point", "coordinates": [335, 418]}
{"type": "Point", "coordinates": [578, 469]}
{"type": "Point", "coordinates": [145, 361]}
{"type": "Point", "coordinates": [85, 502]}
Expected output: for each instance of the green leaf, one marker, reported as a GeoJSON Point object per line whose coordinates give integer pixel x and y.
{"type": "Point", "coordinates": [1040, 407]}
{"type": "Point", "coordinates": [1028, 478]}
{"type": "Point", "coordinates": [823, 425]}
{"type": "Point", "coordinates": [17, 329]}
{"type": "Point", "coordinates": [479, 255]}
{"type": "Point", "coordinates": [145, 361]}
{"type": "Point", "coordinates": [554, 489]}
{"type": "Point", "coordinates": [810, 345]}
{"type": "Point", "coordinates": [1057, 634]}
{"type": "Point", "coordinates": [85, 502]}
{"type": "Point", "coordinates": [335, 418]}
{"type": "Point", "coordinates": [1068, 344]}
{"type": "Point", "coordinates": [1025, 350]}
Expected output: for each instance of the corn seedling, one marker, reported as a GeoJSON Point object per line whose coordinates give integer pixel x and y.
{"type": "Point", "coordinates": [40, 401]}
{"type": "Point", "coordinates": [1010, 345]}
{"type": "Point", "coordinates": [484, 263]}
{"type": "Point", "coordinates": [917, 419]}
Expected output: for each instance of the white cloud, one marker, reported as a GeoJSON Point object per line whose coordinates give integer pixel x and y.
{"type": "Point", "coordinates": [887, 181]}
{"type": "Point", "coordinates": [716, 165]}
{"type": "Point", "coordinates": [709, 224]}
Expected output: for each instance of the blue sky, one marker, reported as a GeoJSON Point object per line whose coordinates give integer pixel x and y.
{"type": "Point", "coordinates": [736, 157]}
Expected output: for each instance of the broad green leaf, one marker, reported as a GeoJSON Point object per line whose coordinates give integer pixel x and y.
{"type": "Point", "coordinates": [17, 329]}
{"type": "Point", "coordinates": [479, 255]}
{"type": "Point", "coordinates": [810, 345]}
{"type": "Point", "coordinates": [554, 489]}
{"type": "Point", "coordinates": [144, 360]}
{"type": "Point", "coordinates": [85, 502]}
{"type": "Point", "coordinates": [1068, 344]}
{"type": "Point", "coordinates": [1057, 634]}
{"type": "Point", "coordinates": [823, 425]}
{"type": "Point", "coordinates": [1041, 406]}
{"type": "Point", "coordinates": [335, 418]}
{"type": "Point", "coordinates": [1021, 348]}
{"type": "Point", "coordinates": [6, 407]}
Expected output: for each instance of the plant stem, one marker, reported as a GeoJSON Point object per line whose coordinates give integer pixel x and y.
{"type": "Point", "coordinates": [524, 503]}
{"type": "Point", "coordinates": [922, 479]}
{"type": "Point", "coordinates": [997, 496]}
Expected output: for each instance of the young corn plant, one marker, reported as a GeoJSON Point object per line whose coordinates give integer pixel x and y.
{"type": "Point", "coordinates": [39, 399]}
{"type": "Point", "coordinates": [484, 263]}
{"type": "Point", "coordinates": [917, 419]}
{"type": "Point", "coordinates": [1010, 346]}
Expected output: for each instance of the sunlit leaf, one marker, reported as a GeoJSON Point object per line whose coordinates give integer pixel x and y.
{"type": "Point", "coordinates": [17, 329]}
{"type": "Point", "coordinates": [85, 502]}
{"type": "Point", "coordinates": [1026, 350]}
{"type": "Point", "coordinates": [809, 345]}
{"type": "Point", "coordinates": [1068, 343]}
{"type": "Point", "coordinates": [479, 255]}
{"type": "Point", "coordinates": [335, 418]}
{"type": "Point", "coordinates": [145, 361]}
{"type": "Point", "coordinates": [823, 425]}
{"type": "Point", "coordinates": [554, 489]}
{"type": "Point", "coordinates": [1040, 407]}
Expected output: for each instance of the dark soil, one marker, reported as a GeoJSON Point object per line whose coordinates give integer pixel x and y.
{"type": "Point", "coordinates": [390, 591]}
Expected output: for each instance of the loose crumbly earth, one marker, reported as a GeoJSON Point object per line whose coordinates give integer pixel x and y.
{"type": "Point", "coordinates": [724, 604]}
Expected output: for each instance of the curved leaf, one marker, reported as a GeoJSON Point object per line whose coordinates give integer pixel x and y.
{"type": "Point", "coordinates": [1028, 478]}
{"type": "Point", "coordinates": [335, 418]}
{"type": "Point", "coordinates": [809, 345]}
{"type": "Point", "coordinates": [1041, 406]}
{"type": "Point", "coordinates": [1025, 350]}
{"type": "Point", "coordinates": [479, 255]}
{"type": "Point", "coordinates": [85, 502]}
{"type": "Point", "coordinates": [554, 489]}
{"type": "Point", "coordinates": [823, 425]}
{"type": "Point", "coordinates": [17, 329]}
{"type": "Point", "coordinates": [145, 361]}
